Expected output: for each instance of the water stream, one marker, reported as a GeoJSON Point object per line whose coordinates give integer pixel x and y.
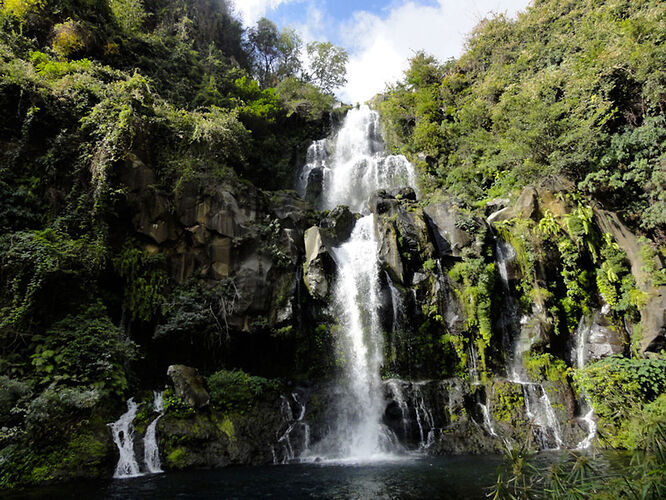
{"type": "Point", "coordinates": [538, 407]}
{"type": "Point", "coordinates": [123, 435]}
{"type": "Point", "coordinates": [151, 451]}
{"type": "Point", "coordinates": [123, 432]}
{"type": "Point", "coordinates": [579, 353]}
{"type": "Point", "coordinates": [354, 165]}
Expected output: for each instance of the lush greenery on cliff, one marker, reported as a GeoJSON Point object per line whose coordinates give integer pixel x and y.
{"type": "Point", "coordinates": [123, 117]}
{"type": "Point", "coordinates": [572, 88]}
{"type": "Point", "coordinates": [85, 87]}
{"type": "Point", "coordinates": [570, 98]}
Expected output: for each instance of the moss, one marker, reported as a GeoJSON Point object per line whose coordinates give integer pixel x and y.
{"type": "Point", "coordinates": [227, 426]}
{"type": "Point", "coordinates": [545, 367]}
{"type": "Point", "coordinates": [507, 398]}
{"type": "Point", "coordinates": [178, 458]}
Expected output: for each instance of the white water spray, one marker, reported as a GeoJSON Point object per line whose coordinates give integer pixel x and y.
{"type": "Point", "coordinates": [579, 352]}
{"type": "Point", "coordinates": [123, 436]}
{"type": "Point", "coordinates": [151, 451]}
{"type": "Point", "coordinates": [355, 165]}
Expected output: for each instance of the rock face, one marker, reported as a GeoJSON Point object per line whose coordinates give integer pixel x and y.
{"type": "Point", "coordinates": [653, 313]}
{"type": "Point", "coordinates": [318, 264]}
{"type": "Point", "coordinates": [230, 231]}
{"type": "Point", "coordinates": [189, 385]}
{"type": "Point", "coordinates": [449, 239]}
{"type": "Point", "coordinates": [277, 253]}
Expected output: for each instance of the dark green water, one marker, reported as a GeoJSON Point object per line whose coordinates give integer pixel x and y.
{"type": "Point", "coordinates": [465, 477]}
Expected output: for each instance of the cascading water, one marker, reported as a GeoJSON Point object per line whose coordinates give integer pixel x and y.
{"type": "Point", "coordinates": [579, 359]}
{"type": "Point", "coordinates": [354, 165]}
{"type": "Point", "coordinates": [151, 451]}
{"type": "Point", "coordinates": [538, 407]}
{"type": "Point", "coordinates": [297, 430]}
{"type": "Point", "coordinates": [359, 433]}
{"type": "Point", "coordinates": [123, 436]}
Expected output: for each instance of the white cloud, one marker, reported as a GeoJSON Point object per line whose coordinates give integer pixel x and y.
{"type": "Point", "coordinates": [380, 46]}
{"type": "Point", "coordinates": [252, 10]}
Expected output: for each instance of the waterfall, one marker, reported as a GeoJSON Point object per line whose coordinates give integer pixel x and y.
{"type": "Point", "coordinates": [360, 433]}
{"type": "Point", "coordinates": [579, 358]}
{"type": "Point", "coordinates": [151, 452]}
{"type": "Point", "coordinates": [123, 436]}
{"type": "Point", "coordinates": [355, 165]}
{"type": "Point", "coordinates": [397, 304]}
{"type": "Point", "coordinates": [538, 407]}
{"type": "Point", "coordinates": [297, 429]}
{"type": "Point", "coordinates": [487, 421]}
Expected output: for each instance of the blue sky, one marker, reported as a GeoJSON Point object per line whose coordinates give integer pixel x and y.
{"type": "Point", "coordinates": [380, 35]}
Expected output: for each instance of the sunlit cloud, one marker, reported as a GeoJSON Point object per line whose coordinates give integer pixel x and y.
{"type": "Point", "coordinates": [252, 10]}
{"type": "Point", "coordinates": [380, 45]}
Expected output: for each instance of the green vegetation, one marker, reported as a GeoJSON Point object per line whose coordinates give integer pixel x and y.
{"type": "Point", "coordinates": [236, 390]}
{"type": "Point", "coordinates": [623, 392]}
{"type": "Point", "coordinates": [113, 107]}
{"type": "Point", "coordinates": [568, 89]}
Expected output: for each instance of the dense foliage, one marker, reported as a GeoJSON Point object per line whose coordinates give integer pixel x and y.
{"type": "Point", "coordinates": [88, 88]}
{"type": "Point", "coordinates": [575, 89]}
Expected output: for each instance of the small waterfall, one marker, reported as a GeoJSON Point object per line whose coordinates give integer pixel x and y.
{"type": "Point", "coordinates": [424, 418]}
{"type": "Point", "coordinates": [538, 407]}
{"type": "Point", "coordinates": [540, 412]}
{"type": "Point", "coordinates": [487, 421]}
{"type": "Point", "coordinates": [579, 358]}
{"type": "Point", "coordinates": [396, 303]}
{"type": "Point", "coordinates": [316, 157]}
{"type": "Point", "coordinates": [151, 451]}
{"type": "Point", "coordinates": [354, 165]}
{"type": "Point", "coordinates": [123, 436]}
{"type": "Point", "coordinates": [295, 424]}
{"type": "Point", "coordinates": [399, 397]}
{"type": "Point", "coordinates": [474, 377]}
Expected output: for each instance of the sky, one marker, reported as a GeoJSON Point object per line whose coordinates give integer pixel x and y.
{"type": "Point", "coordinates": [380, 35]}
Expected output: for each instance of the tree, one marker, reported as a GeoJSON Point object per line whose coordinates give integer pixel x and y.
{"type": "Point", "coordinates": [328, 64]}
{"type": "Point", "coordinates": [276, 52]}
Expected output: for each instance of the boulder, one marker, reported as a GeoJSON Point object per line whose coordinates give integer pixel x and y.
{"type": "Point", "coordinates": [189, 385]}
{"type": "Point", "coordinates": [318, 264]}
{"type": "Point", "coordinates": [449, 239]}
{"type": "Point", "coordinates": [653, 314]}
{"type": "Point", "coordinates": [337, 226]}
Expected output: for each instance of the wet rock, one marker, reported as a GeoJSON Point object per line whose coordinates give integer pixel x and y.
{"type": "Point", "coordinates": [653, 314]}
{"type": "Point", "coordinates": [604, 339]}
{"type": "Point", "coordinates": [449, 239]}
{"type": "Point", "coordinates": [318, 264]}
{"type": "Point", "coordinates": [389, 253]}
{"type": "Point", "coordinates": [337, 226]}
{"type": "Point", "coordinates": [496, 204]}
{"type": "Point", "coordinates": [315, 185]}
{"type": "Point", "coordinates": [405, 193]}
{"type": "Point", "coordinates": [189, 385]}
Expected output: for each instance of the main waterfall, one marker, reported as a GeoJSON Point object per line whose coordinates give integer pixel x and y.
{"type": "Point", "coordinates": [351, 167]}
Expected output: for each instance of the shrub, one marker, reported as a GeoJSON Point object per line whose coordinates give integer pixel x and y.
{"type": "Point", "coordinates": [84, 349]}
{"type": "Point", "coordinates": [236, 390]}
{"type": "Point", "coordinates": [68, 39]}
